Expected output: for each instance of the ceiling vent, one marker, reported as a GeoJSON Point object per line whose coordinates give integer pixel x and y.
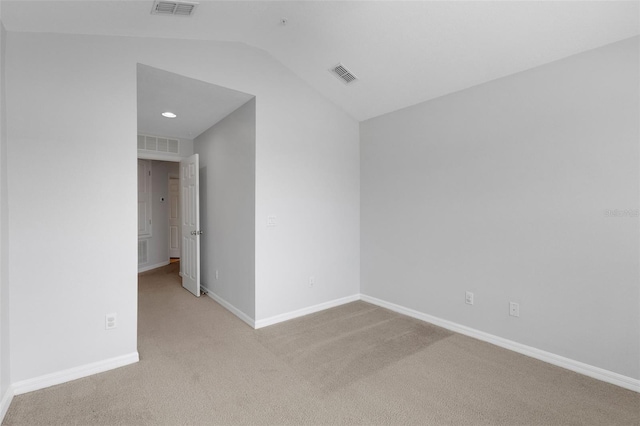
{"type": "Point", "coordinates": [178, 8]}
{"type": "Point", "coordinates": [344, 74]}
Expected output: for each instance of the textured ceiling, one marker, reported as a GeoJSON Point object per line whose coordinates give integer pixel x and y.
{"type": "Point", "coordinates": [402, 52]}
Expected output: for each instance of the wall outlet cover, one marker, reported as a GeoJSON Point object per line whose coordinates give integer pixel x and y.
{"type": "Point", "coordinates": [110, 321]}
{"type": "Point", "coordinates": [468, 298]}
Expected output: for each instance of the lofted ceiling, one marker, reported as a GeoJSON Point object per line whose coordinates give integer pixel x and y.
{"type": "Point", "coordinates": [197, 104]}
{"type": "Point", "coordinates": [403, 52]}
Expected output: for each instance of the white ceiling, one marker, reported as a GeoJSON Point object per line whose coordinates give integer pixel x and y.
{"type": "Point", "coordinates": [402, 52]}
{"type": "Point", "coordinates": [198, 105]}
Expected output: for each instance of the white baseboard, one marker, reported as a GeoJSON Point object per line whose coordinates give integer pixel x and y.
{"type": "Point", "coordinates": [305, 311]}
{"type": "Point", "coordinates": [6, 402]}
{"type": "Point", "coordinates": [228, 306]}
{"type": "Point", "coordinates": [150, 267]}
{"type": "Point", "coordinates": [570, 364]}
{"type": "Point", "coordinates": [73, 373]}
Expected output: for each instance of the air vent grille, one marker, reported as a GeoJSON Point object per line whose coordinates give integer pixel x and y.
{"type": "Point", "coordinates": [158, 144]}
{"type": "Point", "coordinates": [344, 74]}
{"type": "Point", "coordinates": [184, 9]}
{"type": "Point", "coordinates": [178, 8]}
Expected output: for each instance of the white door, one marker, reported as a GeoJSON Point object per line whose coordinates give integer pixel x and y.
{"type": "Point", "coordinates": [144, 198]}
{"type": "Point", "coordinates": [189, 224]}
{"type": "Point", "coordinates": [174, 223]}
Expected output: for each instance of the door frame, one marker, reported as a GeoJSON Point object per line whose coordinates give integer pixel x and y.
{"type": "Point", "coordinates": [160, 157]}
{"type": "Point", "coordinates": [173, 176]}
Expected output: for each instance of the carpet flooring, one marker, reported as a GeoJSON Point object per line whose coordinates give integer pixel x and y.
{"type": "Point", "coordinates": [354, 364]}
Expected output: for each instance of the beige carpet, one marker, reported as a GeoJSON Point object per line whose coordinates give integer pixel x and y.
{"type": "Point", "coordinates": [355, 364]}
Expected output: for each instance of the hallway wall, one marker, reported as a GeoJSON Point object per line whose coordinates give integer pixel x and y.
{"type": "Point", "coordinates": [228, 208]}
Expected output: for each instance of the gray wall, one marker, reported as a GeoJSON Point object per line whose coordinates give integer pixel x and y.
{"type": "Point", "coordinates": [502, 189]}
{"type": "Point", "coordinates": [71, 146]}
{"type": "Point", "coordinates": [227, 205]}
{"type": "Point", "coordinates": [4, 236]}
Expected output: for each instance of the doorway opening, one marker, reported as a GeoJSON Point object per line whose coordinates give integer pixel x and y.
{"type": "Point", "coordinates": [158, 214]}
{"type": "Point", "coordinates": [216, 126]}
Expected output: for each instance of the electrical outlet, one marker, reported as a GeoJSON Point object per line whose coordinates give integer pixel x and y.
{"type": "Point", "coordinates": [514, 309]}
{"type": "Point", "coordinates": [217, 275]}
{"type": "Point", "coordinates": [312, 281]}
{"type": "Point", "coordinates": [468, 298]}
{"type": "Point", "coordinates": [110, 321]}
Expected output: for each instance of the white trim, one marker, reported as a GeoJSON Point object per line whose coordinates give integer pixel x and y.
{"type": "Point", "coordinates": [6, 402]}
{"type": "Point", "coordinates": [148, 199]}
{"type": "Point", "coordinates": [64, 376]}
{"type": "Point", "coordinates": [228, 306]}
{"type": "Point", "coordinates": [157, 156]}
{"type": "Point", "coordinates": [570, 364]}
{"type": "Point", "coordinates": [305, 311]}
{"type": "Point", "coordinates": [150, 267]}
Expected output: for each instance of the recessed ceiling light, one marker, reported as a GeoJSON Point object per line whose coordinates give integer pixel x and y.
{"type": "Point", "coordinates": [169, 114]}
